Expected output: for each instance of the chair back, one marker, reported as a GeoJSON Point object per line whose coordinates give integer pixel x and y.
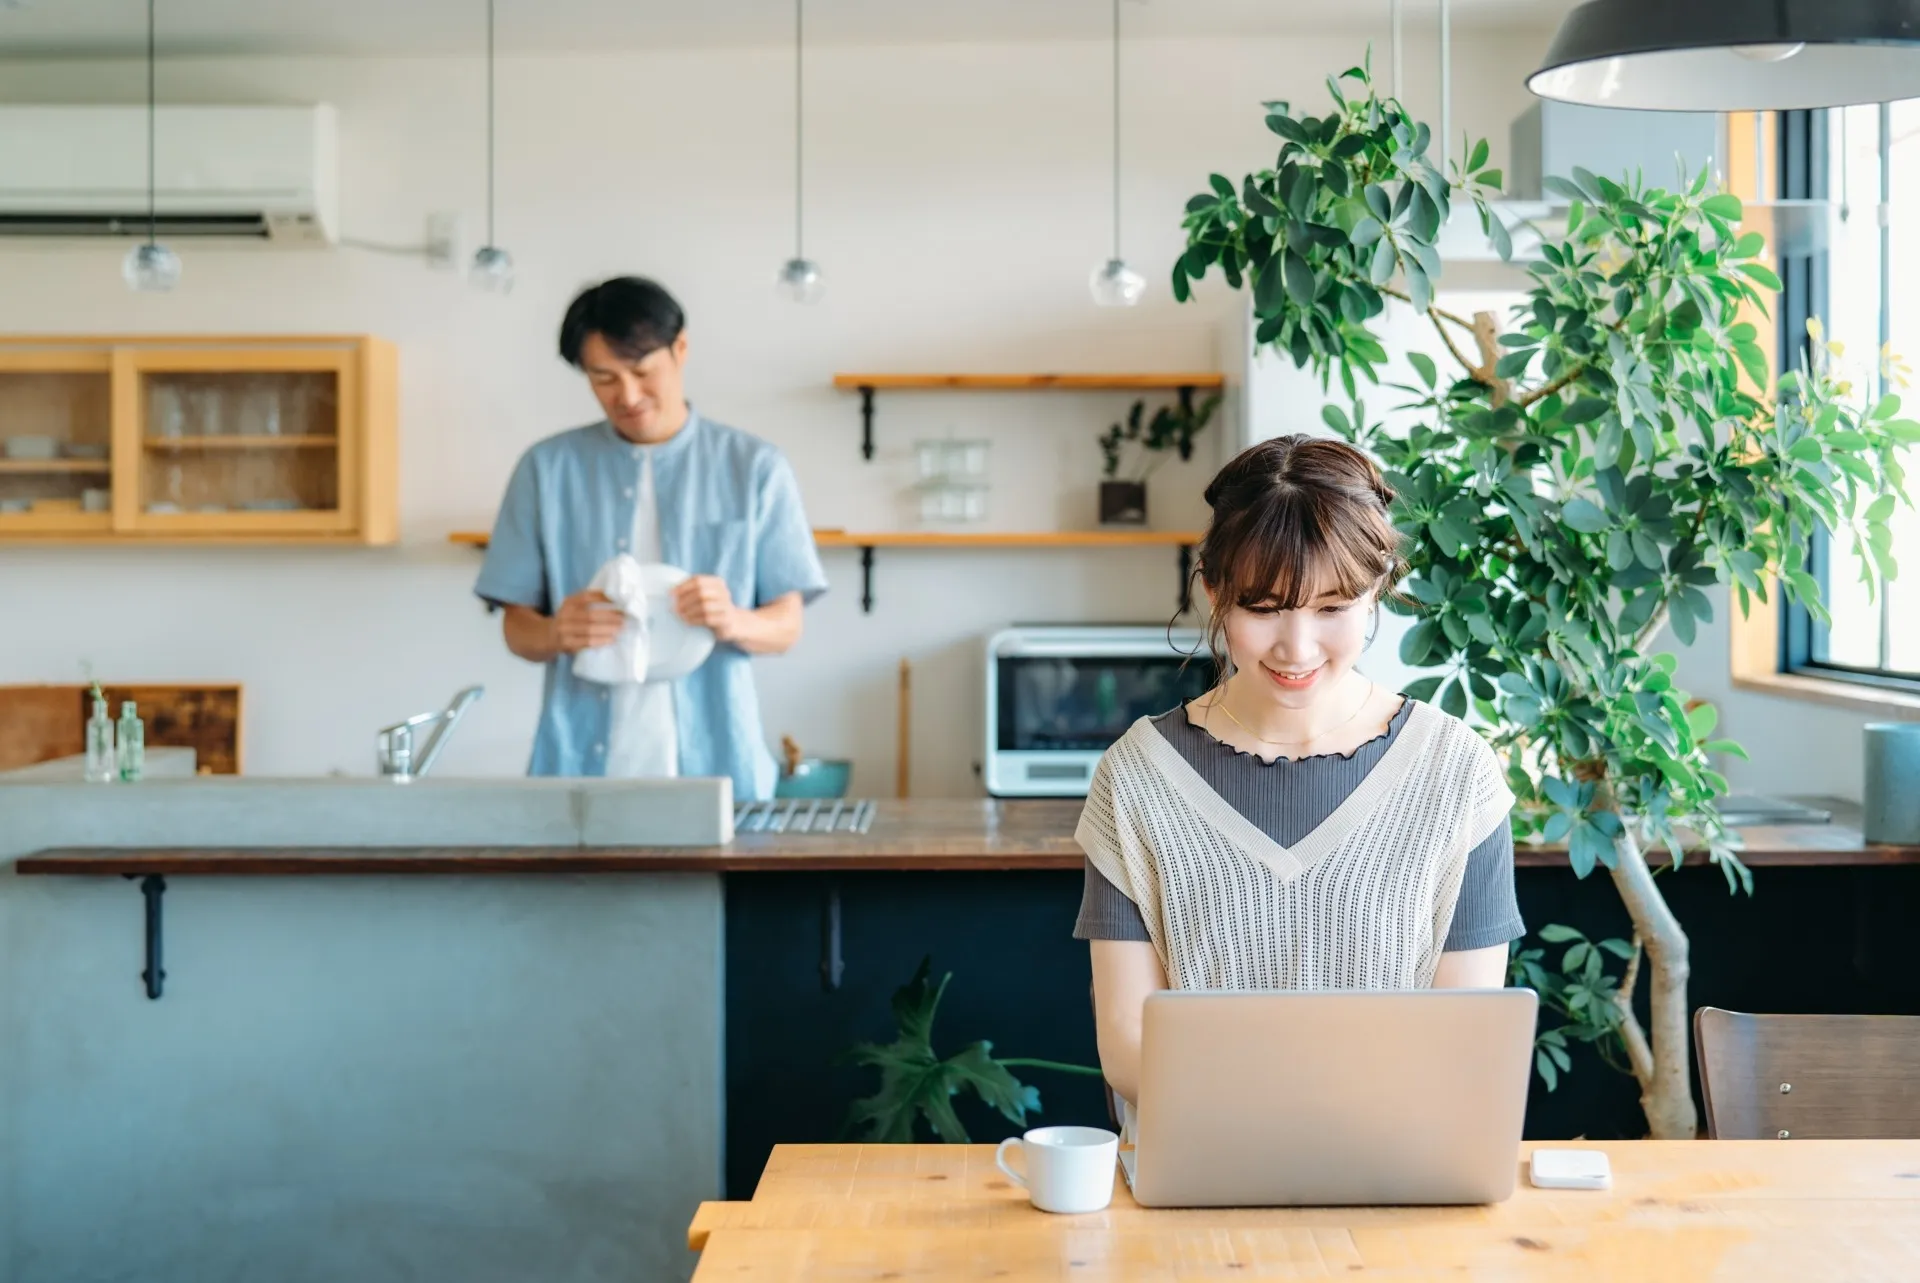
{"type": "Point", "coordinates": [1809, 1077]}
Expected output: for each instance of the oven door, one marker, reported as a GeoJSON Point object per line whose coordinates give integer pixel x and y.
{"type": "Point", "coordinates": [1057, 703]}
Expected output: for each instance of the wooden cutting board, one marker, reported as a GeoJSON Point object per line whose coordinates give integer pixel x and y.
{"type": "Point", "coordinates": [39, 723]}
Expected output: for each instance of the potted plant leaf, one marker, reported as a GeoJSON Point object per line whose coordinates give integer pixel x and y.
{"type": "Point", "coordinates": [1172, 429]}
{"type": "Point", "coordinates": [1596, 462]}
{"type": "Point", "coordinates": [916, 1083]}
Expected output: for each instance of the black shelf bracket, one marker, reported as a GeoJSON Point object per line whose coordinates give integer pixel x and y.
{"type": "Point", "coordinates": [1186, 578]}
{"type": "Point", "coordinates": [866, 579]}
{"type": "Point", "coordinates": [152, 887]}
{"type": "Point", "coordinates": [866, 422]}
{"type": "Point", "coordinates": [833, 966]}
{"type": "Point", "coordinates": [1186, 399]}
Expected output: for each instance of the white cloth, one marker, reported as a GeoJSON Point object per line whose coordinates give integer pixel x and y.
{"type": "Point", "coordinates": [1362, 902]}
{"type": "Point", "coordinates": [627, 657]}
{"type": "Point", "coordinates": [643, 740]}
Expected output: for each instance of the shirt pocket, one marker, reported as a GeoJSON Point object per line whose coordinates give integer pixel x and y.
{"type": "Point", "coordinates": [724, 548]}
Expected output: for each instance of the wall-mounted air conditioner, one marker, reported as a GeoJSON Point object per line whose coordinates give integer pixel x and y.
{"type": "Point", "coordinates": [267, 174]}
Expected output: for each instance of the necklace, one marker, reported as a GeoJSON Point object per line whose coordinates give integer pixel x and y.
{"type": "Point", "coordinates": [1221, 704]}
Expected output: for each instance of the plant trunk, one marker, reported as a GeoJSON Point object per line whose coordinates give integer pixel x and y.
{"type": "Point", "coordinates": [1661, 1063]}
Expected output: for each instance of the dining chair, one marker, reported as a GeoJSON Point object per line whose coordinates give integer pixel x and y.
{"type": "Point", "coordinates": [1808, 1077]}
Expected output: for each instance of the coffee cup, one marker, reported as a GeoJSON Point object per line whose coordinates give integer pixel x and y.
{"type": "Point", "coordinates": [1068, 1169]}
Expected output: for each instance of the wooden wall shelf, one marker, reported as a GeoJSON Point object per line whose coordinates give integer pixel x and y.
{"type": "Point", "coordinates": [1031, 382]}
{"type": "Point", "coordinates": [1184, 383]}
{"type": "Point", "coordinates": [867, 541]}
{"type": "Point", "coordinates": [1006, 539]}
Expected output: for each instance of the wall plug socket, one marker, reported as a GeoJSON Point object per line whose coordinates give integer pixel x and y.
{"type": "Point", "coordinates": [443, 241]}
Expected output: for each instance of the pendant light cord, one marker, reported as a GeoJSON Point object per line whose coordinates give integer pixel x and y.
{"type": "Point", "coordinates": [1393, 48]}
{"type": "Point", "coordinates": [1116, 128]}
{"type": "Point", "coordinates": [799, 167]}
{"type": "Point", "coordinates": [151, 219]}
{"type": "Point", "coordinates": [1446, 84]}
{"type": "Point", "coordinates": [489, 123]}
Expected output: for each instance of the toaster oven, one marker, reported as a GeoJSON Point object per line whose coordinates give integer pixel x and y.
{"type": "Point", "coordinates": [1057, 697]}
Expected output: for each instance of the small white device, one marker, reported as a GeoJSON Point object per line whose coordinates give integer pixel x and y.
{"type": "Point", "coordinates": [1570, 1169]}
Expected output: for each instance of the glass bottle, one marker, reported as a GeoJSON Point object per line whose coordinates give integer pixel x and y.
{"type": "Point", "coordinates": [103, 766]}
{"type": "Point", "coordinates": [133, 744]}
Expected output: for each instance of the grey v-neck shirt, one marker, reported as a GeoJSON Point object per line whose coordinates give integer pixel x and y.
{"type": "Point", "coordinates": [1289, 799]}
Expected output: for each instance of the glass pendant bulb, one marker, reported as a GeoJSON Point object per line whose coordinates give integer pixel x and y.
{"type": "Point", "coordinates": [492, 269]}
{"type": "Point", "coordinates": [800, 280]}
{"type": "Point", "coordinates": [1114, 284]}
{"type": "Point", "coordinates": [151, 268]}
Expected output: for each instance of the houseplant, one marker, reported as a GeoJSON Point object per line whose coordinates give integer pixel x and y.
{"type": "Point", "coordinates": [1172, 428]}
{"type": "Point", "coordinates": [1600, 459]}
{"type": "Point", "coordinates": [917, 1083]}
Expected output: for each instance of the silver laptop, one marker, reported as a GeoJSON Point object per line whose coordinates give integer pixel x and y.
{"type": "Point", "coordinates": [1331, 1099]}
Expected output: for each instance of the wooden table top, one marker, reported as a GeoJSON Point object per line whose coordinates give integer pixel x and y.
{"type": "Point", "coordinates": [1739, 1211]}
{"type": "Point", "coordinates": [917, 835]}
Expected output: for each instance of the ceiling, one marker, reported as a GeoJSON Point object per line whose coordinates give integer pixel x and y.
{"type": "Point", "coordinates": [96, 28]}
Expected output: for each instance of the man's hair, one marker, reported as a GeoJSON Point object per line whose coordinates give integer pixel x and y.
{"type": "Point", "coordinates": [634, 315]}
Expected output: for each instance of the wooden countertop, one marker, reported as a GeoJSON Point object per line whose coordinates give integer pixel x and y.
{"type": "Point", "coordinates": [1756, 1211]}
{"type": "Point", "coordinates": [930, 834]}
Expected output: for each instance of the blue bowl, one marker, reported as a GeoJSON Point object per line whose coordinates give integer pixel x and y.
{"type": "Point", "coordinates": [816, 777]}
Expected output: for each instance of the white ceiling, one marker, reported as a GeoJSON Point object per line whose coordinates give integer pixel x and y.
{"type": "Point", "coordinates": [93, 28]}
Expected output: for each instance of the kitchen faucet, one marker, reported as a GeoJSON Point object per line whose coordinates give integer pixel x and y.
{"type": "Point", "coordinates": [393, 749]}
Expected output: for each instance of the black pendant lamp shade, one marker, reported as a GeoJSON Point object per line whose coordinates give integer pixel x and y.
{"type": "Point", "coordinates": [1733, 55]}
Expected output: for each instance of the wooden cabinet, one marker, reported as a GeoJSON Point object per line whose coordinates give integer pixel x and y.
{"type": "Point", "coordinates": [199, 439]}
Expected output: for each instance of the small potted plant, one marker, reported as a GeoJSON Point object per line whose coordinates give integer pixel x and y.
{"type": "Point", "coordinates": [1172, 428]}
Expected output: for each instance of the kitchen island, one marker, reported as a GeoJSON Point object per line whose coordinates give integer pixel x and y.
{"type": "Point", "coordinates": [510, 1029]}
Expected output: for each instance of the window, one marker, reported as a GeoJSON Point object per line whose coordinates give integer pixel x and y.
{"type": "Point", "coordinates": [1866, 160]}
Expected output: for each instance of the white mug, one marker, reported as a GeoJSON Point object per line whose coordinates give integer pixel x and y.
{"type": "Point", "coordinates": [1069, 1169]}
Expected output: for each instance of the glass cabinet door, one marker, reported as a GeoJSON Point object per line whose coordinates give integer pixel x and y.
{"type": "Point", "coordinates": [55, 441]}
{"type": "Point", "coordinates": [242, 450]}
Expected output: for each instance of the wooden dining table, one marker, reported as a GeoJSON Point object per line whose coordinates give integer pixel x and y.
{"type": "Point", "coordinates": [1807, 1211]}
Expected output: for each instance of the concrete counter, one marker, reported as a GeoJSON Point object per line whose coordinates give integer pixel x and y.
{"type": "Point", "coordinates": [484, 1078]}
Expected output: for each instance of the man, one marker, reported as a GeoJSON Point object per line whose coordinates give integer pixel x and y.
{"type": "Point", "coordinates": [656, 480]}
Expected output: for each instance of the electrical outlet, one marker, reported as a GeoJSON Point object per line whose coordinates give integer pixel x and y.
{"type": "Point", "coordinates": [443, 241]}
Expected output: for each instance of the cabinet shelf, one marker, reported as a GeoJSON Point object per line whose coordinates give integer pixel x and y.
{"type": "Point", "coordinates": [32, 467]}
{"type": "Point", "coordinates": [315, 441]}
{"type": "Point", "coordinates": [868, 541]}
{"type": "Point", "coordinates": [1186, 384]}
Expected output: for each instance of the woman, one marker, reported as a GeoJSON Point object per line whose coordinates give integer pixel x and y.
{"type": "Point", "coordinates": [1297, 827]}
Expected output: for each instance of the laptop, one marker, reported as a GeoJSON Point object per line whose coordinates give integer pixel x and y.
{"type": "Point", "coordinates": [1339, 1098]}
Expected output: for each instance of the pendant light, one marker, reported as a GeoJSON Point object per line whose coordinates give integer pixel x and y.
{"type": "Point", "coordinates": [800, 278]}
{"type": "Point", "coordinates": [492, 266]}
{"type": "Point", "coordinates": [1113, 283]}
{"type": "Point", "coordinates": [150, 267]}
{"type": "Point", "coordinates": [1733, 55]}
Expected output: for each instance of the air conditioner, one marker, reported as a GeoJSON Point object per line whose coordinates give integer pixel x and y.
{"type": "Point", "coordinates": [268, 174]}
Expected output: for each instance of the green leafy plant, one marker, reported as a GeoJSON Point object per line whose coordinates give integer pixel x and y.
{"type": "Point", "coordinates": [917, 1083]}
{"type": "Point", "coordinates": [1171, 429]}
{"type": "Point", "coordinates": [1598, 461]}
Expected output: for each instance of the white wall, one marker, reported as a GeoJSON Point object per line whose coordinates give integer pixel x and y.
{"type": "Point", "coordinates": [957, 198]}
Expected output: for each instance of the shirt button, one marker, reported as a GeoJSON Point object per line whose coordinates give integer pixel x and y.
{"type": "Point", "coordinates": [621, 544]}
{"type": "Point", "coordinates": [599, 748]}
{"type": "Point", "coordinates": [629, 492]}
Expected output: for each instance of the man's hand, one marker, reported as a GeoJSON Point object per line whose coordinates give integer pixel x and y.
{"type": "Point", "coordinates": [585, 620]}
{"type": "Point", "coordinates": [705, 602]}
